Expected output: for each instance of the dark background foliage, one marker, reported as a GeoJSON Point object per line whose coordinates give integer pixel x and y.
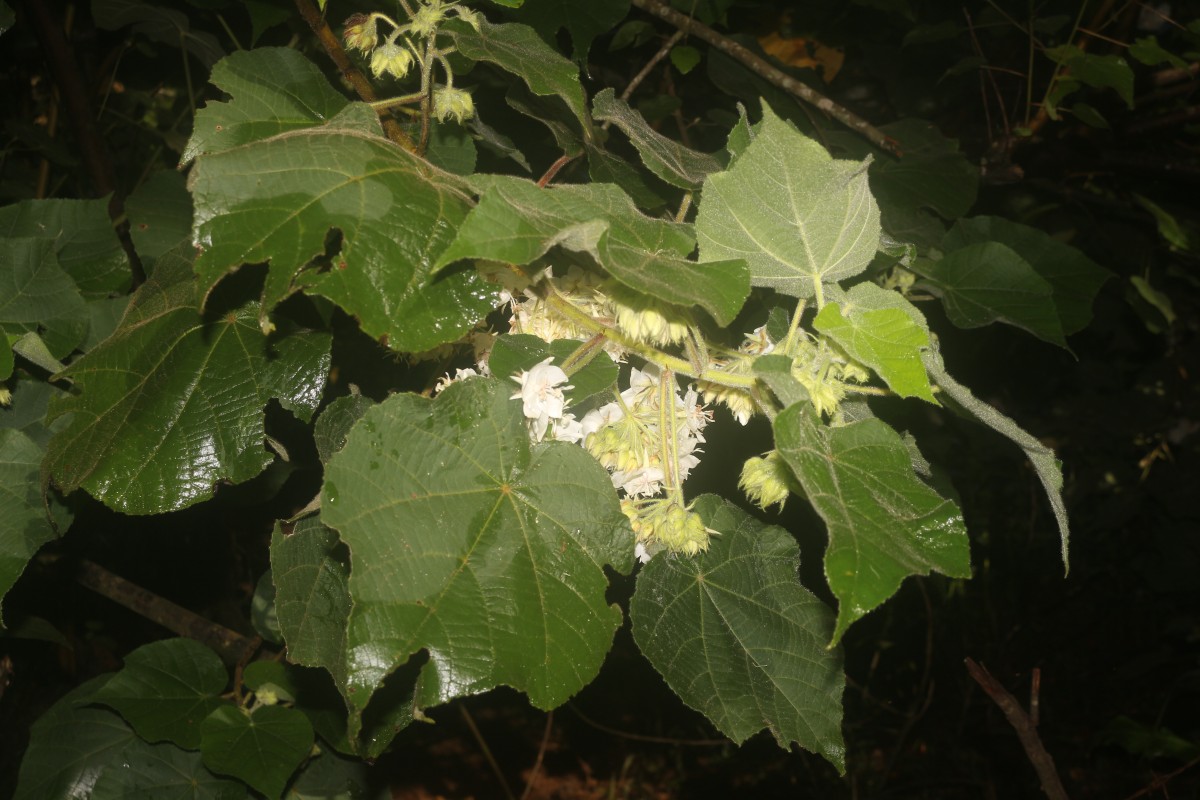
{"type": "Point", "coordinates": [1114, 646]}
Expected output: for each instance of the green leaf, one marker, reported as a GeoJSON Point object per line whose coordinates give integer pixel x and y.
{"type": "Point", "coordinates": [33, 349]}
{"type": "Point", "coordinates": [1178, 235]}
{"type": "Point", "coordinates": [279, 200]}
{"type": "Point", "coordinates": [1097, 71]}
{"type": "Point", "coordinates": [335, 422]}
{"type": "Point", "coordinates": [171, 404]}
{"type": "Point", "coordinates": [516, 221]}
{"type": "Point", "coordinates": [450, 148]}
{"type": "Point", "coordinates": [684, 58]}
{"type": "Point", "coordinates": [311, 570]}
{"type": "Point", "coordinates": [606, 167]}
{"type": "Point", "coordinates": [1089, 116]}
{"type": "Point", "coordinates": [931, 173]}
{"type": "Point", "coordinates": [331, 777]}
{"type": "Point", "coordinates": [24, 526]}
{"type": "Point", "coordinates": [274, 90]}
{"type": "Point", "coordinates": [261, 747]}
{"type": "Point", "coordinates": [872, 328]}
{"type": "Point", "coordinates": [84, 240]}
{"type": "Point", "coordinates": [474, 545]}
{"type": "Point", "coordinates": [512, 353]}
{"type": "Point", "coordinates": [160, 214]}
{"type": "Point", "coordinates": [584, 21]}
{"type": "Point", "coordinates": [37, 295]}
{"type": "Point", "coordinates": [262, 610]}
{"type": "Point", "coordinates": [1074, 278]}
{"type": "Point", "coordinates": [30, 399]}
{"type": "Point", "coordinates": [739, 639]}
{"type": "Point", "coordinates": [884, 523]}
{"type": "Point", "coordinates": [6, 361]}
{"type": "Point", "coordinates": [1147, 50]}
{"type": "Point", "coordinates": [519, 50]}
{"type": "Point", "coordinates": [265, 15]}
{"type": "Point", "coordinates": [271, 681]}
{"type": "Point", "coordinates": [990, 282]}
{"type": "Point", "coordinates": [166, 689]}
{"type": "Point", "coordinates": [775, 370]}
{"type": "Point", "coordinates": [797, 216]}
{"type": "Point", "coordinates": [80, 750]}
{"type": "Point", "coordinates": [158, 24]}
{"type": "Point", "coordinates": [1045, 463]}
{"type": "Point", "coordinates": [7, 18]}
{"type": "Point", "coordinates": [666, 158]}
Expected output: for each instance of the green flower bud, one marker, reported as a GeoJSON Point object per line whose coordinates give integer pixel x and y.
{"type": "Point", "coordinates": [391, 58]}
{"type": "Point", "coordinates": [449, 102]}
{"type": "Point", "coordinates": [647, 320]}
{"type": "Point", "coordinates": [427, 19]}
{"type": "Point", "coordinates": [360, 33]}
{"type": "Point", "coordinates": [766, 480]}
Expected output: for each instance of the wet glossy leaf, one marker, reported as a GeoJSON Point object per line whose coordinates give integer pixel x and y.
{"type": "Point", "coordinates": [518, 49]}
{"type": "Point", "coordinates": [279, 200]}
{"type": "Point", "coordinates": [678, 165]}
{"type": "Point", "coordinates": [884, 523]}
{"type": "Point", "coordinates": [1073, 277]}
{"type": "Point", "coordinates": [335, 422]}
{"type": "Point", "coordinates": [262, 747]}
{"type": "Point", "coordinates": [516, 221]}
{"type": "Point", "coordinates": [79, 750]}
{"type": "Point", "coordinates": [874, 329]}
{"type": "Point", "coordinates": [990, 282]}
{"type": "Point", "coordinates": [797, 216]}
{"type": "Point", "coordinates": [36, 295]}
{"type": "Point", "coordinates": [172, 404]}
{"type": "Point", "coordinates": [85, 243]}
{"type": "Point", "coordinates": [166, 689]}
{"type": "Point", "coordinates": [24, 526]}
{"type": "Point", "coordinates": [1045, 462]}
{"type": "Point", "coordinates": [474, 545]}
{"type": "Point", "coordinates": [738, 638]}
{"type": "Point", "coordinates": [273, 89]}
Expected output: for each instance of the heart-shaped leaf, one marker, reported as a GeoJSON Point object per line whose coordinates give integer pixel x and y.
{"type": "Point", "coordinates": [471, 543]}
{"type": "Point", "coordinates": [884, 522]}
{"type": "Point", "coordinates": [668, 159]}
{"type": "Point", "coordinates": [262, 747]}
{"type": "Point", "coordinates": [797, 216]}
{"type": "Point", "coordinates": [739, 639]}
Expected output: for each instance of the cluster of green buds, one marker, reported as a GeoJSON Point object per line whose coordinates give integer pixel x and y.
{"type": "Point", "coordinates": [414, 43]}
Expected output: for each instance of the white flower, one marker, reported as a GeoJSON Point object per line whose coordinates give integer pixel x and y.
{"type": "Point", "coordinates": [542, 399]}
{"type": "Point", "coordinates": [642, 554]}
{"type": "Point", "coordinates": [568, 429]}
{"type": "Point", "coordinates": [641, 482]}
{"type": "Point", "coordinates": [459, 375]}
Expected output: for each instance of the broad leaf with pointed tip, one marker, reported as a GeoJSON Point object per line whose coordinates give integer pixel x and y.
{"type": "Point", "coordinates": [1073, 277]}
{"type": "Point", "coordinates": [668, 159]}
{"type": "Point", "coordinates": [990, 282]}
{"type": "Point", "coordinates": [36, 295]}
{"type": "Point", "coordinates": [474, 545]}
{"type": "Point", "coordinates": [166, 689]}
{"type": "Point", "coordinates": [517, 221]}
{"type": "Point", "coordinates": [273, 90]}
{"type": "Point", "coordinates": [884, 523]}
{"type": "Point", "coordinates": [873, 329]}
{"type": "Point", "coordinates": [584, 21]}
{"type": "Point", "coordinates": [171, 403]}
{"type": "Point", "coordinates": [280, 199]}
{"type": "Point", "coordinates": [24, 526]}
{"type": "Point", "coordinates": [262, 747]}
{"type": "Point", "coordinates": [518, 49]}
{"type": "Point", "coordinates": [738, 638]}
{"type": "Point", "coordinates": [797, 216]}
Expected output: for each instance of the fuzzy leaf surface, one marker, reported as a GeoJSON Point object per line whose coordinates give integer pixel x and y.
{"type": "Point", "coordinates": [668, 159]}
{"type": "Point", "coordinates": [884, 523]}
{"type": "Point", "coordinates": [171, 404]}
{"type": "Point", "coordinates": [166, 689]}
{"type": "Point", "coordinates": [516, 221]}
{"type": "Point", "coordinates": [474, 545]}
{"type": "Point", "coordinates": [796, 215]}
{"type": "Point", "coordinates": [278, 201]}
{"type": "Point", "coordinates": [873, 329]}
{"type": "Point", "coordinates": [739, 639]}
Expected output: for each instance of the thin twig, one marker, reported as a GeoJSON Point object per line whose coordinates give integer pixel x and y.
{"type": "Point", "coordinates": [641, 737]}
{"type": "Point", "coordinates": [776, 76]}
{"type": "Point", "coordinates": [232, 646]}
{"type": "Point", "coordinates": [487, 751]}
{"type": "Point", "coordinates": [657, 57]}
{"type": "Point", "coordinates": [1035, 751]}
{"type": "Point", "coordinates": [337, 54]}
{"type": "Point", "coordinates": [553, 169]}
{"type": "Point", "coordinates": [1161, 781]}
{"type": "Point", "coordinates": [537, 764]}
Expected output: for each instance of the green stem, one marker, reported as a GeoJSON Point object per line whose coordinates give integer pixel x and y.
{"type": "Point", "coordinates": [583, 354]}
{"type": "Point", "coordinates": [789, 341]}
{"type": "Point", "coordinates": [403, 99]}
{"type": "Point", "coordinates": [668, 433]}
